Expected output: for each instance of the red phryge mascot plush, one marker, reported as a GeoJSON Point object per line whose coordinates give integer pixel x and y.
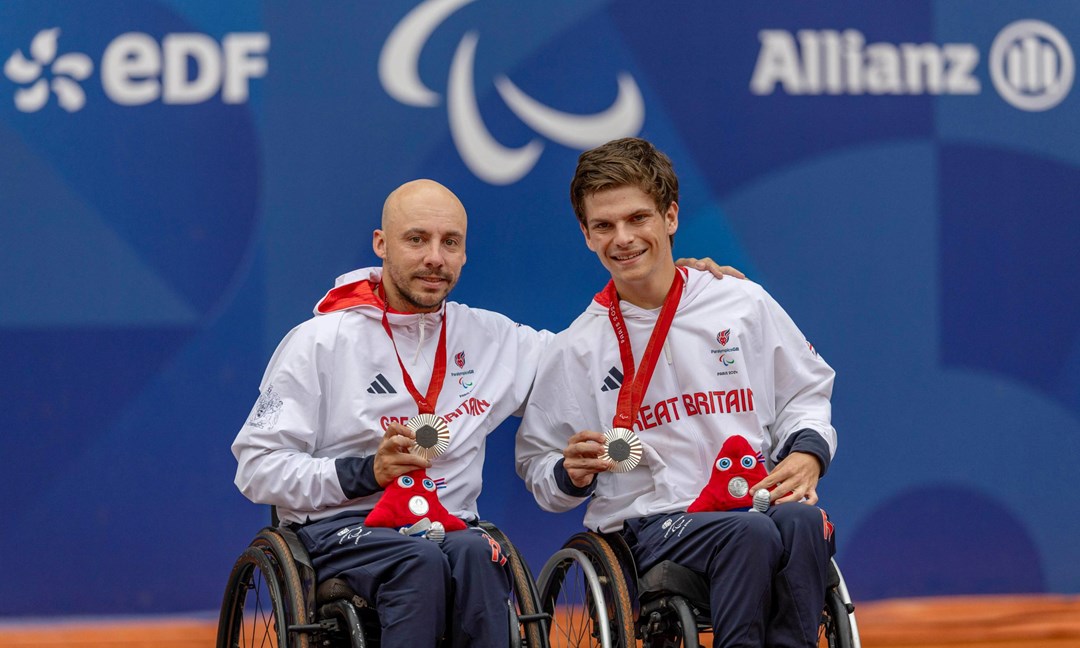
{"type": "Point", "coordinates": [736, 469]}
{"type": "Point", "coordinates": [410, 499]}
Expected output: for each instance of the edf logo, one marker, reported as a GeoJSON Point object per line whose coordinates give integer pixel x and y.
{"type": "Point", "coordinates": [186, 68]}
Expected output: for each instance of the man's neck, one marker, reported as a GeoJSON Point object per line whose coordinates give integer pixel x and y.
{"type": "Point", "coordinates": [650, 292]}
{"type": "Point", "coordinates": [399, 304]}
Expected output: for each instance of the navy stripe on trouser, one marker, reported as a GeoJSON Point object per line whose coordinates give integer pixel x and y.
{"type": "Point", "coordinates": [411, 581]}
{"type": "Point", "coordinates": [766, 572]}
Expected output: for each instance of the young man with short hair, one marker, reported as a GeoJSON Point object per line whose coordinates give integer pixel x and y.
{"type": "Point", "coordinates": [684, 363]}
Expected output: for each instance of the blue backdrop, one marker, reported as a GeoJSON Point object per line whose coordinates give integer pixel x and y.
{"type": "Point", "coordinates": [181, 180]}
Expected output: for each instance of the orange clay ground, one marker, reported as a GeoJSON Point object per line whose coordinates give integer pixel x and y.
{"type": "Point", "coordinates": [1037, 621]}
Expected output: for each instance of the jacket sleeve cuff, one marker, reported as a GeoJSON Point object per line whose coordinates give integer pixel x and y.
{"type": "Point", "coordinates": [810, 442]}
{"type": "Point", "coordinates": [562, 479]}
{"type": "Point", "coordinates": [357, 476]}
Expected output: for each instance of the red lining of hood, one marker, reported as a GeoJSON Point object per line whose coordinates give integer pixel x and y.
{"type": "Point", "coordinates": [358, 293]}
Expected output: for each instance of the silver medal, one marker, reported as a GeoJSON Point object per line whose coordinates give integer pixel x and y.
{"type": "Point", "coordinates": [623, 447]}
{"type": "Point", "coordinates": [432, 435]}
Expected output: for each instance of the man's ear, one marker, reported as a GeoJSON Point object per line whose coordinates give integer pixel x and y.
{"type": "Point", "coordinates": [671, 218]}
{"type": "Point", "coordinates": [378, 243]}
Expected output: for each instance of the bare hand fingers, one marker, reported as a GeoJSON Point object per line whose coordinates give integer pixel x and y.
{"type": "Point", "coordinates": [783, 494]}
{"type": "Point", "coordinates": [395, 444]}
{"type": "Point", "coordinates": [586, 436]}
{"type": "Point", "coordinates": [708, 265]}
{"type": "Point", "coordinates": [397, 429]}
{"type": "Point", "coordinates": [587, 465]}
{"type": "Point", "coordinates": [767, 483]}
{"type": "Point", "coordinates": [586, 444]}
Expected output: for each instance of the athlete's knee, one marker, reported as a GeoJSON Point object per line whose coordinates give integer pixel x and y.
{"type": "Point", "coordinates": [477, 548]}
{"type": "Point", "coordinates": [757, 539]}
{"type": "Point", "coordinates": [759, 528]}
{"type": "Point", "coordinates": [424, 557]}
{"type": "Point", "coordinates": [795, 519]}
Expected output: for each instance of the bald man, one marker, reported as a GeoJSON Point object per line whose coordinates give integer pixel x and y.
{"type": "Point", "coordinates": [326, 436]}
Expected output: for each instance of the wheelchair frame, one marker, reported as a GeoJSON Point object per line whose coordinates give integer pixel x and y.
{"type": "Point", "coordinates": [272, 598]}
{"type": "Point", "coordinates": [604, 603]}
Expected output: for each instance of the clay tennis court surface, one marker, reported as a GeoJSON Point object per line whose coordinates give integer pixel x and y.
{"type": "Point", "coordinates": [1036, 621]}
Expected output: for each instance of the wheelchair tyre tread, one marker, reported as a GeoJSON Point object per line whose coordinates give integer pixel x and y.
{"type": "Point", "coordinates": [610, 570]}
{"type": "Point", "coordinates": [835, 626]}
{"type": "Point", "coordinates": [253, 573]}
{"type": "Point", "coordinates": [259, 568]}
{"type": "Point", "coordinates": [297, 611]}
{"type": "Point", "coordinates": [527, 599]}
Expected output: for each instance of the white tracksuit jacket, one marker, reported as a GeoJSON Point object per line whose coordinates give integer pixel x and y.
{"type": "Point", "coordinates": [334, 385]}
{"type": "Point", "coordinates": [733, 363]}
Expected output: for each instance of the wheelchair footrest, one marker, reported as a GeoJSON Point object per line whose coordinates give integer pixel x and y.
{"type": "Point", "coordinates": [327, 625]}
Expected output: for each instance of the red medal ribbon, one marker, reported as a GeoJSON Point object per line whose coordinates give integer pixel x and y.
{"type": "Point", "coordinates": [425, 403]}
{"type": "Point", "coordinates": [636, 382]}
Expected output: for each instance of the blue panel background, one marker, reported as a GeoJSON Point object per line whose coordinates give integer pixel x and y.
{"type": "Point", "coordinates": [152, 256]}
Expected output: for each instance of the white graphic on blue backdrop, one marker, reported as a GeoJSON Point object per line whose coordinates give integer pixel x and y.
{"type": "Point", "coordinates": [488, 159]}
{"type": "Point", "coordinates": [1032, 65]}
{"type": "Point", "coordinates": [184, 68]}
{"type": "Point", "coordinates": [65, 70]}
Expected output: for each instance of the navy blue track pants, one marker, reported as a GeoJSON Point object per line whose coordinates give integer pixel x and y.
{"type": "Point", "coordinates": [766, 572]}
{"type": "Point", "coordinates": [422, 590]}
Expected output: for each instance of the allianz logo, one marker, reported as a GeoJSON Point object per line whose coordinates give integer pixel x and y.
{"type": "Point", "coordinates": [136, 69]}
{"type": "Point", "coordinates": [1031, 65]}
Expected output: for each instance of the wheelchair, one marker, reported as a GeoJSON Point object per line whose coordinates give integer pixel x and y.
{"type": "Point", "coordinates": [595, 597]}
{"type": "Point", "coordinates": [272, 599]}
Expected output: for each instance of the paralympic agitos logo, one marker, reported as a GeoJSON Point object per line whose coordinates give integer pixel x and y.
{"type": "Point", "coordinates": [488, 159]}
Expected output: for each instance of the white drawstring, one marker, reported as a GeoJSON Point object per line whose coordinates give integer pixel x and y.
{"type": "Point", "coordinates": [416, 356]}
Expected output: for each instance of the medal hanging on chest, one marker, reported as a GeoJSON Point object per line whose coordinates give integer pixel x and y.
{"type": "Point", "coordinates": [621, 444]}
{"type": "Point", "coordinates": [431, 430]}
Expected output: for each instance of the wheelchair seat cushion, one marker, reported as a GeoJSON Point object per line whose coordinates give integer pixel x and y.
{"type": "Point", "coordinates": [667, 578]}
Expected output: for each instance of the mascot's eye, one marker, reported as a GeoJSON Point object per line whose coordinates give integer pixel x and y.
{"type": "Point", "coordinates": [405, 481]}
{"type": "Point", "coordinates": [430, 485]}
{"type": "Point", "coordinates": [723, 463]}
{"type": "Point", "coordinates": [749, 461]}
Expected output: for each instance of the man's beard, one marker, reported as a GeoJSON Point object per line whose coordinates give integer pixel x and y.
{"type": "Point", "coordinates": [420, 301]}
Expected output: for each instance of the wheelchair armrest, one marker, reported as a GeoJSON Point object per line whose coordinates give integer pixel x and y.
{"type": "Point", "coordinates": [336, 589]}
{"type": "Point", "coordinates": [299, 551]}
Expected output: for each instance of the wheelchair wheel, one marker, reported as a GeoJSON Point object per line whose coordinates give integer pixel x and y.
{"type": "Point", "coordinates": [838, 627]}
{"type": "Point", "coordinates": [529, 624]}
{"type": "Point", "coordinates": [264, 597]}
{"type": "Point", "coordinates": [670, 622]}
{"type": "Point", "coordinates": [584, 588]}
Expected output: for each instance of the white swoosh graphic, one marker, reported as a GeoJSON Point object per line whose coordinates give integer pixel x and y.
{"type": "Point", "coordinates": [623, 119]}
{"type": "Point", "coordinates": [400, 55]}
{"type": "Point", "coordinates": [489, 160]}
